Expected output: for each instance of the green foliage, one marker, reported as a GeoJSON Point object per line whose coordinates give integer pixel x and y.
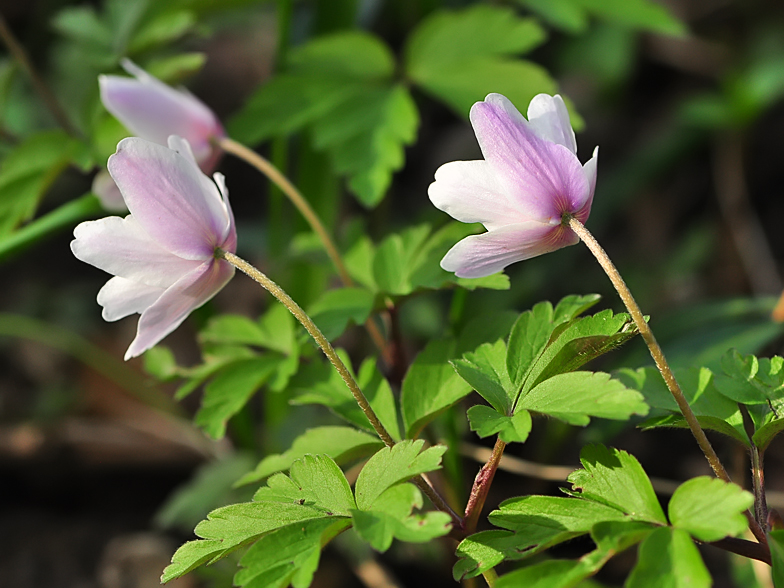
{"type": "Point", "coordinates": [293, 517]}
{"type": "Point", "coordinates": [341, 87]}
{"type": "Point", "coordinates": [572, 15]}
{"type": "Point", "coordinates": [319, 383]}
{"type": "Point", "coordinates": [709, 509]}
{"type": "Point", "coordinates": [776, 543]}
{"type": "Point", "coordinates": [669, 553]}
{"type": "Point", "coordinates": [29, 170]}
{"type": "Point", "coordinates": [333, 312]}
{"type": "Point", "coordinates": [462, 56]}
{"type": "Point", "coordinates": [342, 444]}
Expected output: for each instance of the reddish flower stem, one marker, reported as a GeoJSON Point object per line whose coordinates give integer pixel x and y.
{"type": "Point", "coordinates": [482, 483]}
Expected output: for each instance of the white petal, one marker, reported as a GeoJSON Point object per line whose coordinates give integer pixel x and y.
{"type": "Point", "coordinates": [176, 303]}
{"type": "Point", "coordinates": [108, 193]}
{"type": "Point", "coordinates": [482, 255]}
{"type": "Point", "coordinates": [123, 248]}
{"type": "Point", "coordinates": [549, 118]}
{"type": "Point", "coordinates": [120, 298]}
{"type": "Point", "coordinates": [172, 199]}
{"type": "Point", "coordinates": [469, 191]}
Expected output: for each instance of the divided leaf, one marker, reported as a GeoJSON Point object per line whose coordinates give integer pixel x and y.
{"type": "Point", "coordinates": [485, 370]}
{"type": "Point", "coordinates": [709, 508]}
{"type": "Point", "coordinates": [461, 56]}
{"type": "Point", "coordinates": [486, 421]}
{"type": "Point", "coordinates": [669, 555]}
{"type": "Point", "coordinates": [615, 478]}
{"type": "Point", "coordinates": [750, 380]}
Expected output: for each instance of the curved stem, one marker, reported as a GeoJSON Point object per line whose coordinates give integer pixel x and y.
{"type": "Point", "coordinates": [317, 335]}
{"type": "Point", "coordinates": [653, 346]}
{"type": "Point", "coordinates": [302, 205]}
{"type": "Point", "coordinates": [481, 488]}
{"type": "Point", "coordinates": [341, 368]}
{"type": "Point", "coordinates": [490, 576]}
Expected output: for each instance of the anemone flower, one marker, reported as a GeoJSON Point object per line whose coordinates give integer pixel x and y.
{"type": "Point", "coordinates": [154, 111]}
{"type": "Point", "coordinates": [529, 182]}
{"type": "Point", "coordinates": [163, 254]}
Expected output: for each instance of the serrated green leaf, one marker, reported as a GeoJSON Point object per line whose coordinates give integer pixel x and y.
{"type": "Point", "coordinates": [713, 410]}
{"type": "Point", "coordinates": [572, 306]}
{"type": "Point", "coordinates": [776, 543]}
{"type": "Point", "coordinates": [576, 396]}
{"type": "Point", "coordinates": [555, 573]}
{"type": "Point", "coordinates": [319, 383]}
{"type": "Point", "coordinates": [527, 340]}
{"type": "Point", "coordinates": [336, 308]}
{"type": "Point", "coordinates": [395, 259]}
{"type": "Point", "coordinates": [575, 343]}
{"type": "Point", "coordinates": [615, 478]}
{"type": "Point", "coordinates": [765, 434]}
{"type": "Point", "coordinates": [486, 421]}
{"type": "Point", "coordinates": [616, 536]}
{"type": "Point", "coordinates": [314, 481]}
{"type": "Point", "coordinates": [230, 390]}
{"type": "Point", "coordinates": [668, 556]}
{"type": "Point", "coordinates": [431, 385]}
{"type": "Point", "coordinates": [709, 509]}
{"type": "Point", "coordinates": [287, 555]}
{"type": "Point", "coordinates": [390, 466]}
{"type": "Point", "coordinates": [275, 330]}
{"type": "Point", "coordinates": [485, 370]}
{"type": "Point", "coordinates": [190, 556]}
{"type": "Point", "coordinates": [750, 380]}
{"type": "Point", "coordinates": [391, 518]}
{"type": "Point", "coordinates": [215, 358]}
{"type": "Point", "coordinates": [342, 444]}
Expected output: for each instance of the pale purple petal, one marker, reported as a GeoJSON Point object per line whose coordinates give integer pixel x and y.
{"type": "Point", "coordinates": [541, 178]}
{"type": "Point", "coordinates": [469, 191]}
{"type": "Point", "coordinates": [120, 298]}
{"type": "Point", "coordinates": [152, 110]}
{"type": "Point", "coordinates": [482, 255]}
{"type": "Point", "coordinates": [590, 175]}
{"type": "Point", "coordinates": [168, 196]}
{"type": "Point", "coordinates": [108, 193]}
{"type": "Point", "coordinates": [549, 118]}
{"type": "Point", "coordinates": [176, 303]}
{"type": "Point", "coordinates": [120, 246]}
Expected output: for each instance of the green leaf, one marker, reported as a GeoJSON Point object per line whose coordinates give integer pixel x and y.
{"type": "Point", "coordinates": [776, 543]}
{"type": "Point", "coordinates": [765, 434]}
{"type": "Point", "coordinates": [390, 466]}
{"type": "Point", "coordinates": [320, 383]}
{"type": "Point", "coordinates": [391, 518]}
{"type": "Point", "coordinates": [616, 536]}
{"type": "Point", "coordinates": [230, 390]}
{"type": "Point", "coordinates": [289, 555]}
{"type": "Point", "coordinates": [341, 86]}
{"type": "Point", "coordinates": [315, 481]}
{"type": "Point", "coordinates": [572, 306]}
{"type": "Point", "coordinates": [710, 509]}
{"type": "Point", "coordinates": [713, 410]}
{"type": "Point", "coordinates": [555, 573]}
{"type": "Point", "coordinates": [750, 380]}
{"type": "Point", "coordinates": [576, 396]}
{"type": "Point", "coordinates": [527, 340]}
{"type": "Point", "coordinates": [575, 343]}
{"type": "Point", "coordinates": [566, 15]}
{"type": "Point", "coordinates": [431, 385]}
{"type": "Point", "coordinates": [615, 478]}
{"type": "Point", "coordinates": [28, 171]}
{"type": "Point", "coordinates": [485, 370]}
{"type": "Point", "coordinates": [486, 421]}
{"type": "Point", "coordinates": [342, 444]}
{"type": "Point", "coordinates": [337, 308]}
{"type": "Point", "coordinates": [462, 56]}
{"type": "Point", "coordinates": [166, 27]}
{"type": "Point", "coordinates": [641, 14]}
{"type": "Point", "coordinates": [160, 363]}
{"type": "Point", "coordinates": [275, 330]}
{"type": "Point", "coordinates": [668, 557]}
{"type": "Point", "coordinates": [190, 556]}
{"type": "Point", "coordinates": [396, 258]}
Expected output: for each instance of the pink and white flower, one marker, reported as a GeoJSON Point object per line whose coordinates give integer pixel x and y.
{"type": "Point", "coordinates": [163, 254]}
{"type": "Point", "coordinates": [529, 179]}
{"type": "Point", "coordinates": [154, 111]}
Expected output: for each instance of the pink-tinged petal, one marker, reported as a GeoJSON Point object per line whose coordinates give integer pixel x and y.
{"type": "Point", "coordinates": [176, 303]}
{"type": "Point", "coordinates": [542, 179]}
{"type": "Point", "coordinates": [589, 169]}
{"type": "Point", "coordinates": [120, 246]}
{"type": "Point", "coordinates": [469, 191]}
{"type": "Point", "coordinates": [108, 193]}
{"type": "Point", "coordinates": [549, 118]}
{"type": "Point", "coordinates": [482, 255]}
{"type": "Point", "coordinates": [169, 197]}
{"type": "Point", "coordinates": [120, 298]}
{"type": "Point", "coordinates": [229, 241]}
{"type": "Point", "coordinates": [152, 110]}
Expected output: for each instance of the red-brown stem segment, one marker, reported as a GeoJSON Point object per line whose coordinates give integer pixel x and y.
{"type": "Point", "coordinates": [482, 483]}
